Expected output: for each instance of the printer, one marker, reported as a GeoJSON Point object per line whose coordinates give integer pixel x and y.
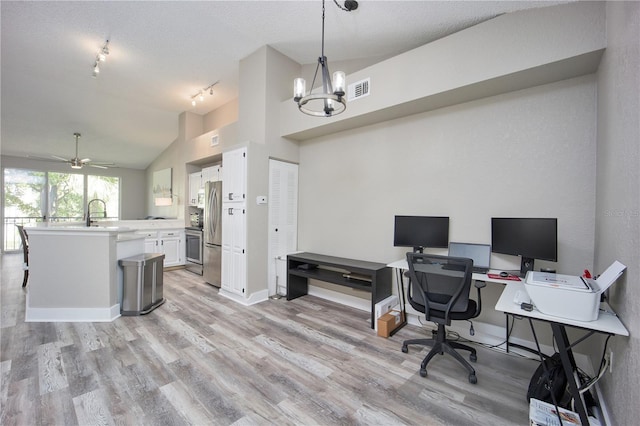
{"type": "Point", "coordinates": [568, 296]}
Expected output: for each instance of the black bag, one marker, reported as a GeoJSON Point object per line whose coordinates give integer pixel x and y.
{"type": "Point", "coordinates": [553, 381]}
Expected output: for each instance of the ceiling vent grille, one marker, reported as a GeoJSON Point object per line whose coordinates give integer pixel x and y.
{"type": "Point", "coordinates": [359, 89]}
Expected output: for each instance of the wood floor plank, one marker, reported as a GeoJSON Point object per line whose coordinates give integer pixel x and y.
{"type": "Point", "coordinates": [204, 359]}
{"type": "Point", "coordinates": [52, 376]}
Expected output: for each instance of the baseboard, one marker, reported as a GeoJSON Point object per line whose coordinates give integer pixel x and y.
{"type": "Point", "coordinates": [256, 297]}
{"type": "Point", "coordinates": [72, 314]}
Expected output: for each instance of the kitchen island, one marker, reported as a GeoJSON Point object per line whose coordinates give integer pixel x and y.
{"type": "Point", "coordinates": [74, 273]}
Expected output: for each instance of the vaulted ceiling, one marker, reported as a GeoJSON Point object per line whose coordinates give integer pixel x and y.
{"type": "Point", "coordinates": [162, 53]}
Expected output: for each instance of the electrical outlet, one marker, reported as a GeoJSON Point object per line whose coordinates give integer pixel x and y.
{"type": "Point", "coordinates": [610, 361]}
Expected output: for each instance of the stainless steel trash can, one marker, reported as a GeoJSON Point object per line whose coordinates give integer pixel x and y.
{"type": "Point", "coordinates": [142, 283]}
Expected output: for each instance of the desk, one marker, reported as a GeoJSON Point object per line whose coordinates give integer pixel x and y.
{"type": "Point", "coordinates": [372, 277]}
{"type": "Point", "coordinates": [607, 323]}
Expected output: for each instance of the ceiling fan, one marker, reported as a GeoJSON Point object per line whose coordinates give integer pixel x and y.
{"type": "Point", "coordinates": [77, 163]}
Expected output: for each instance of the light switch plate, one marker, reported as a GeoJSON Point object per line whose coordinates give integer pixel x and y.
{"type": "Point", "coordinates": [261, 199]}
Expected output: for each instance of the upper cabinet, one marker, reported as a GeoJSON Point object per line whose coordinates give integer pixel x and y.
{"type": "Point", "coordinates": [234, 184]}
{"type": "Point", "coordinates": [211, 174]}
{"type": "Point", "coordinates": [195, 183]}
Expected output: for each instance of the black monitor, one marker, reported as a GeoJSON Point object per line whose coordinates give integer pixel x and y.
{"type": "Point", "coordinates": [531, 238]}
{"type": "Point", "coordinates": [421, 231]}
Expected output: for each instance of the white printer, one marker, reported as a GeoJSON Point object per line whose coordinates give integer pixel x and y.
{"type": "Point", "coordinates": [569, 296]}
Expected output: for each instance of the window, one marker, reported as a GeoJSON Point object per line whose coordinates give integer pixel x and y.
{"type": "Point", "coordinates": [66, 197]}
{"type": "Point", "coordinates": [33, 196]}
{"type": "Point", "coordinates": [107, 189]}
{"type": "Point", "coordinates": [24, 196]}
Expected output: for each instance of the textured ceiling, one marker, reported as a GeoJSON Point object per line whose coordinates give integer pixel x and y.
{"type": "Point", "coordinates": [161, 53]}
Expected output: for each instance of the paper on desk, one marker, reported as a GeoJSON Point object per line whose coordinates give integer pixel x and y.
{"type": "Point", "coordinates": [610, 276]}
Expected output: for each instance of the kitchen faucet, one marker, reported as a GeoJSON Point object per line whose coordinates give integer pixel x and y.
{"type": "Point", "coordinates": [104, 210]}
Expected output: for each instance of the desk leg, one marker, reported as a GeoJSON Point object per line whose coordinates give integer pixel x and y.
{"type": "Point", "coordinates": [569, 366]}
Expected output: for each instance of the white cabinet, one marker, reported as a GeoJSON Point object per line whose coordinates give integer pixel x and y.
{"type": "Point", "coordinates": [171, 243]}
{"type": "Point", "coordinates": [195, 183]}
{"type": "Point", "coordinates": [234, 184]}
{"type": "Point", "coordinates": [211, 174]}
{"type": "Point", "coordinates": [234, 222]}
{"type": "Point", "coordinates": [234, 257]}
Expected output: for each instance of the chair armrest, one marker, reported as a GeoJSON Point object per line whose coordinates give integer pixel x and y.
{"type": "Point", "coordinates": [479, 285]}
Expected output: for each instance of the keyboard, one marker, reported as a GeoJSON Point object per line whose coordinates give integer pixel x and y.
{"type": "Point", "coordinates": [475, 270]}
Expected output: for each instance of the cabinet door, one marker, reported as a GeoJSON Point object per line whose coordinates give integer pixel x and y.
{"type": "Point", "coordinates": [171, 251]}
{"type": "Point", "coordinates": [234, 275]}
{"type": "Point", "coordinates": [171, 247]}
{"type": "Point", "coordinates": [234, 185]}
{"type": "Point", "coordinates": [195, 182]}
{"type": "Point", "coordinates": [151, 245]}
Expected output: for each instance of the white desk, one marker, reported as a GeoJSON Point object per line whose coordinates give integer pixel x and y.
{"type": "Point", "coordinates": [607, 323]}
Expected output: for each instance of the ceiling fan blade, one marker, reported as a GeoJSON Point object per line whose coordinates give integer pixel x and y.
{"type": "Point", "coordinates": [85, 160]}
{"type": "Point", "coordinates": [98, 166]}
{"type": "Point", "coordinates": [66, 160]}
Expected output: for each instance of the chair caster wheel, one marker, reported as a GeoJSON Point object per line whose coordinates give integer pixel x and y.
{"type": "Point", "coordinates": [423, 372]}
{"type": "Point", "coordinates": [473, 357]}
{"type": "Point", "coordinates": [473, 379]}
{"type": "Point", "coordinates": [405, 349]}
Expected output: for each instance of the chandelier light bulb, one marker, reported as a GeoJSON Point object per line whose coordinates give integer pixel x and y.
{"type": "Point", "coordinates": [201, 97]}
{"type": "Point", "coordinates": [299, 88]}
{"type": "Point", "coordinates": [193, 102]}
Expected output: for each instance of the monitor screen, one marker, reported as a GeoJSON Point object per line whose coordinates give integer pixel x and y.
{"type": "Point", "coordinates": [531, 238]}
{"type": "Point", "coordinates": [421, 231]}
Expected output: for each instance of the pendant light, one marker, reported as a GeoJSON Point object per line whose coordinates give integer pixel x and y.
{"type": "Point", "coordinates": [331, 100]}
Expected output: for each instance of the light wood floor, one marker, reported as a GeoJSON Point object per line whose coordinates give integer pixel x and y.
{"type": "Point", "coordinates": [202, 359]}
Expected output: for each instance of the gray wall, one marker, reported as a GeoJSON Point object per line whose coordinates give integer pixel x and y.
{"type": "Point", "coordinates": [529, 153]}
{"type": "Point", "coordinates": [618, 199]}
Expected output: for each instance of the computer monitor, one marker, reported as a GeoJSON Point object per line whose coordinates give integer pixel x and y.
{"type": "Point", "coordinates": [421, 231]}
{"type": "Point", "coordinates": [531, 238]}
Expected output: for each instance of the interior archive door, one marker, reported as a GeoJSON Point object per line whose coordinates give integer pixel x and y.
{"type": "Point", "coordinates": [283, 222]}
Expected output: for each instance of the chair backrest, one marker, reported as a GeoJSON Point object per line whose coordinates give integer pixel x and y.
{"type": "Point", "coordinates": [24, 238]}
{"type": "Point", "coordinates": [440, 283]}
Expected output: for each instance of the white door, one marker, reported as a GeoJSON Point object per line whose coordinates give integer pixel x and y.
{"type": "Point", "coordinates": [283, 221]}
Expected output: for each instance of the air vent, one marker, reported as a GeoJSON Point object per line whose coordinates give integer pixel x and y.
{"type": "Point", "coordinates": [358, 89]}
{"type": "Point", "coordinates": [215, 140]}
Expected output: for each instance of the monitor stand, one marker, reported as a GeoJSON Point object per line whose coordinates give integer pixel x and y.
{"type": "Point", "coordinates": [526, 265]}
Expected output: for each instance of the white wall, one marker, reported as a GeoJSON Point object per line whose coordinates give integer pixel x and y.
{"type": "Point", "coordinates": [618, 199]}
{"type": "Point", "coordinates": [529, 153]}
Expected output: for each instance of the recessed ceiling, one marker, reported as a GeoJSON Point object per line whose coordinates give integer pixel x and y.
{"type": "Point", "coordinates": [162, 53]}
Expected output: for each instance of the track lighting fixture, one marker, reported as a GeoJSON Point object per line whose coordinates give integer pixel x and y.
{"type": "Point", "coordinates": [200, 95]}
{"type": "Point", "coordinates": [101, 56]}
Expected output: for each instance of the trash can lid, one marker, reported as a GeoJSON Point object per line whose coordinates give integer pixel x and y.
{"type": "Point", "coordinates": [140, 259]}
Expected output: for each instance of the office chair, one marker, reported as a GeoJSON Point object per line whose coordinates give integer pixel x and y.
{"type": "Point", "coordinates": [439, 287]}
{"type": "Point", "coordinates": [25, 253]}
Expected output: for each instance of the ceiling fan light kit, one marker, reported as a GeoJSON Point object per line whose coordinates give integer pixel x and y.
{"type": "Point", "coordinates": [101, 56]}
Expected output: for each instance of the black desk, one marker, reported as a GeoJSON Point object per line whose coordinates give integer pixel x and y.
{"type": "Point", "coordinates": [374, 278]}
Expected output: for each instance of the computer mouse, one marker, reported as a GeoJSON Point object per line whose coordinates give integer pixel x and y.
{"type": "Point", "coordinates": [504, 274]}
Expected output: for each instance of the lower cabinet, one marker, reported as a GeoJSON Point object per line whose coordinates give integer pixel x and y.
{"type": "Point", "coordinates": [171, 243]}
{"type": "Point", "coordinates": [234, 258]}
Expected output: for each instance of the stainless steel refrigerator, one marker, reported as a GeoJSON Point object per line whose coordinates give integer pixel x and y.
{"type": "Point", "coordinates": [212, 232]}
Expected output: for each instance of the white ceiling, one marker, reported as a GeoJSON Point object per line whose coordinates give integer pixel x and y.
{"type": "Point", "coordinates": [162, 53]}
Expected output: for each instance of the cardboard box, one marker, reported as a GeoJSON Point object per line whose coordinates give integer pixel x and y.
{"type": "Point", "coordinates": [389, 322]}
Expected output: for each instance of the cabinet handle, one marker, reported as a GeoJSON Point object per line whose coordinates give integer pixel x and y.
{"type": "Point", "coordinates": [230, 211]}
{"type": "Point", "coordinates": [231, 196]}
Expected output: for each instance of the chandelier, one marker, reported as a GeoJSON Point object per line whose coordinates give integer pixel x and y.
{"type": "Point", "coordinates": [331, 100]}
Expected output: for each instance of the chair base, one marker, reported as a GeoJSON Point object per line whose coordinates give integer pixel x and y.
{"type": "Point", "coordinates": [439, 345]}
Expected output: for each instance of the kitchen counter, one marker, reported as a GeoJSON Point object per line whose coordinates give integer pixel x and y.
{"type": "Point", "coordinates": [74, 273]}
